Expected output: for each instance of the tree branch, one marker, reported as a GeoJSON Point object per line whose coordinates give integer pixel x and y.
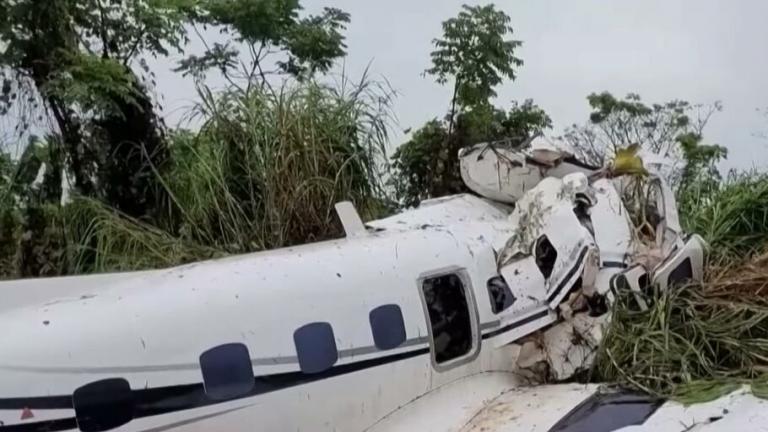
{"type": "Point", "coordinates": [208, 48]}
{"type": "Point", "coordinates": [135, 46]}
{"type": "Point", "coordinates": [257, 56]}
{"type": "Point", "coordinates": [103, 31]}
{"type": "Point", "coordinates": [84, 43]}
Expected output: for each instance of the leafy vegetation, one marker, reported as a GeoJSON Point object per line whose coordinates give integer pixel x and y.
{"type": "Point", "coordinates": [265, 28]}
{"type": "Point", "coordinates": [264, 171]}
{"type": "Point", "coordinates": [615, 123]}
{"type": "Point", "coordinates": [81, 66]}
{"type": "Point", "coordinates": [427, 165]}
{"type": "Point", "coordinates": [695, 342]}
{"type": "Point", "coordinates": [476, 53]}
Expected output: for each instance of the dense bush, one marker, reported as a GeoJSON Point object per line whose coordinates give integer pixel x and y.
{"type": "Point", "coordinates": [264, 171]}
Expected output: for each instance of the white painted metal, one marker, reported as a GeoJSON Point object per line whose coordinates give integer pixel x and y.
{"type": "Point", "coordinates": [693, 250]}
{"type": "Point", "coordinates": [503, 174]}
{"type": "Point", "coordinates": [613, 233]}
{"type": "Point", "coordinates": [350, 219]}
{"type": "Point", "coordinates": [537, 409]}
{"type": "Point", "coordinates": [497, 173]}
{"type": "Point", "coordinates": [24, 292]}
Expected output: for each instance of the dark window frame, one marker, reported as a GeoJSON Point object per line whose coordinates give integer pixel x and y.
{"type": "Point", "coordinates": [509, 300]}
{"type": "Point", "coordinates": [307, 339]}
{"type": "Point", "coordinates": [103, 405]}
{"type": "Point", "coordinates": [469, 295]}
{"type": "Point", "coordinates": [547, 268]}
{"type": "Point", "coordinates": [387, 335]}
{"type": "Point", "coordinates": [682, 274]}
{"type": "Point", "coordinates": [206, 361]}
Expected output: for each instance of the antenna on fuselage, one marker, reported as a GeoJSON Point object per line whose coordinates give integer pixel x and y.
{"type": "Point", "coordinates": [350, 219]}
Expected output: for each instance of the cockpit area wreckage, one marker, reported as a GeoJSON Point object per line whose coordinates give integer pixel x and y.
{"type": "Point", "coordinates": [446, 317]}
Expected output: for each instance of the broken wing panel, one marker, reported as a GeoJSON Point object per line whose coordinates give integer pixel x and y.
{"type": "Point", "coordinates": [497, 173]}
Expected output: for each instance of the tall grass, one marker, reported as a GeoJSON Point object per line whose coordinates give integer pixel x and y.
{"type": "Point", "coordinates": [99, 240]}
{"type": "Point", "coordinates": [731, 215]}
{"type": "Point", "coordinates": [264, 171]}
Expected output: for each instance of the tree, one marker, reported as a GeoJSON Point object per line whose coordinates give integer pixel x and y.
{"type": "Point", "coordinates": [700, 160]}
{"type": "Point", "coordinates": [475, 53]}
{"type": "Point", "coordinates": [75, 61]}
{"type": "Point", "coordinates": [616, 123]}
{"type": "Point", "coordinates": [427, 165]}
{"type": "Point", "coordinates": [266, 29]}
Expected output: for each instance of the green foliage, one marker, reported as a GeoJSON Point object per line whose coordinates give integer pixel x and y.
{"type": "Point", "coordinates": [616, 123]}
{"type": "Point", "coordinates": [700, 159]}
{"type": "Point", "coordinates": [122, 30]}
{"type": "Point", "coordinates": [9, 235]}
{"type": "Point", "coordinates": [315, 43]}
{"type": "Point", "coordinates": [76, 58]}
{"type": "Point", "coordinates": [695, 343]}
{"type": "Point", "coordinates": [475, 52]}
{"type": "Point", "coordinates": [427, 166]}
{"type": "Point", "coordinates": [42, 245]}
{"type": "Point", "coordinates": [18, 177]}
{"type": "Point", "coordinates": [307, 45]}
{"type": "Point", "coordinates": [9, 218]}
{"type": "Point", "coordinates": [102, 240]}
{"type": "Point", "coordinates": [30, 230]}
{"type": "Point", "coordinates": [732, 215]}
{"type": "Point", "coordinates": [420, 167]}
{"type": "Point", "coordinates": [93, 84]}
{"type": "Point", "coordinates": [264, 171]}
{"type": "Point", "coordinates": [254, 20]}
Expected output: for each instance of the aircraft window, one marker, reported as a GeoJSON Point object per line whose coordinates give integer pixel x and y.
{"type": "Point", "coordinates": [546, 255]}
{"type": "Point", "coordinates": [103, 405]}
{"type": "Point", "coordinates": [227, 371]}
{"type": "Point", "coordinates": [500, 294]}
{"type": "Point", "coordinates": [606, 412]}
{"type": "Point", "coordinates": [644, 282]}
{"type": "Point", "coordinates": [446, 302]}
{"type": "Point", "coordinates": [315, 347]}
{"type": "Point", "coordinates": [387, 326]}
{"type": "Point", "coordinates": [681, 274]}
{"type": "Point", "coordinates": [581, 209]}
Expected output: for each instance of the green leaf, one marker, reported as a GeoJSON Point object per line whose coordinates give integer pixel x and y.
{"type": "Point", "coordinates": [476, 53]}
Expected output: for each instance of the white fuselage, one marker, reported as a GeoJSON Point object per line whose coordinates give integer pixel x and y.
{"type": "Point", "coordinates": [338, 336]}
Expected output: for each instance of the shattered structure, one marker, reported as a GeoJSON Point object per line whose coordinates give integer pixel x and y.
{"type": "Point", "coordinates": [621, 232]}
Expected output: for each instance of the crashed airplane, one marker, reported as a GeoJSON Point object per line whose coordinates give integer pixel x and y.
{"type": "Point", "coordinates": [446, 317]}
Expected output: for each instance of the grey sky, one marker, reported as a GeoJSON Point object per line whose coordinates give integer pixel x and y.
{"type": "Point", "coordinates": [697, 50]}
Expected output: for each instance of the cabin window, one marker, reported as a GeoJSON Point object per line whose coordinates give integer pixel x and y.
{"type": "Point", "coordinates": [500, 295]}
{"type": "Point", "coordinates": [681, 274]}
{"type": "Point", "coordinates": [446, 302]}
{"type": "Point", "coordinates": [227, 371]}
{"type": "Point", "coordinates": [603, 412]}
{"type": "Point", "coordinates": [644, 282]}
{"type": "Point", "coordinates": [545, 255]}
{"type": "Point", "coordinates": [103, 405]}
{"type": "Point", "coordinates": [581, 210]}
{"type": "Point", "coordinates": [387, 326]}
{"type": "Point", "coordinates": [315, 347]}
